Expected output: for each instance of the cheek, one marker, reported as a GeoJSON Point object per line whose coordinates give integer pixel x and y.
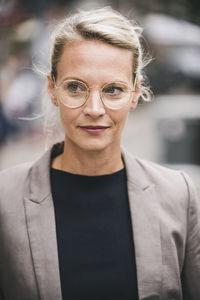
{"type": "Point", "coordinates": [68, 117]}
{"type": "Point", "coordinates": [119, 119]}
{"type": "Point", "coordinates": [65, 118]}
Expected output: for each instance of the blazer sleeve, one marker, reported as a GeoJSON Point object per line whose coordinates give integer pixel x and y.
{"type": "Point", "coordinates": [191, 269]}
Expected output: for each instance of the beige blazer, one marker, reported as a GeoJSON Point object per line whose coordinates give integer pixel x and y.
{"type": "Point", "coordinates": [166, 232]}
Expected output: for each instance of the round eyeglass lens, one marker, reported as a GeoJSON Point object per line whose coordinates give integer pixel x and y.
{"type": "Point", "coordinates": [115, 95]}
{"type": "Point", "coordinates": [73, 93]}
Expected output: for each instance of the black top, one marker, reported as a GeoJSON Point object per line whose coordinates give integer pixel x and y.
{"type": "Point", "coordinates": [94, 233]}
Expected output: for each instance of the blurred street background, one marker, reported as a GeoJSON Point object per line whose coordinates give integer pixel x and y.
{"type": "Point", "coordinates": [167, 130]}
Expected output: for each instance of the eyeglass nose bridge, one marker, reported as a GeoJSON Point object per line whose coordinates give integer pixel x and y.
{"type": "Point", "coordinates": [97, 91]}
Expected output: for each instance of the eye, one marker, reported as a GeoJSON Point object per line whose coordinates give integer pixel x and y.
{"type": "Point", "coordinates": [74, 87]}
{"type": "Point", "coordinates": [113, 90]}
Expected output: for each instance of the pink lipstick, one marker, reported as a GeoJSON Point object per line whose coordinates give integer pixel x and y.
{"type": "Point", "coordinates": [94, 129]}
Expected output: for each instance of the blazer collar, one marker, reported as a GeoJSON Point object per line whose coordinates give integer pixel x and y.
{"type": "Point", "coordinates": [144, 210]}
{"type": "Point", "coordinates": [39, 185]}
{"type": "Point", "coordinates": [135, 173]}
{"type": "Point", "coordinates": [40, 219]}
{"type": "Point", "coordinates": [40, 177]}
{"type": "Point", "coordinates": [42, 232]}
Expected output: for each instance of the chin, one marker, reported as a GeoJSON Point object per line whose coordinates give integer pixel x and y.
{"type": "Point", "coordinates": [92, 144]}
{"type": "Point", "coordinates": [93, 147]}
{"type": "Point", "coordinates": [89, 145]}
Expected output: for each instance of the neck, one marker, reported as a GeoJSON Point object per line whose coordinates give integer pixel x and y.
{"type": "Point", "coordinates": [90, 163]}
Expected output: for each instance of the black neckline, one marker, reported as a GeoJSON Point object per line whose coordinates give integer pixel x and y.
{"type": "Point", "coordinates": [67, 174]}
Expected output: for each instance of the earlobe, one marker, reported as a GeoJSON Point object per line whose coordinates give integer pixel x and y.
{"type": "Point", "coordinates": [137, 92]}
{"type": "Point", "coordinates": [135, 100]}
{"type": "Point", "coordinates": [51, 90]}
{"type": "Point", "coordinates": [134, 103]}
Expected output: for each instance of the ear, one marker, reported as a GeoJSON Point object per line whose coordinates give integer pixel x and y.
{"type": "Point", "coordinates": [136, 93]}
{"type": "Point", "coordinates": [51, 89]}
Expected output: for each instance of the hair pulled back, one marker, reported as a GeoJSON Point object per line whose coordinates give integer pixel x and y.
{"type": "Point", "coordinates": [106, 25]}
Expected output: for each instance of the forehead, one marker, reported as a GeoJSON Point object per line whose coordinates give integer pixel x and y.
{"type": "Point", "coordinates": [85, 58]}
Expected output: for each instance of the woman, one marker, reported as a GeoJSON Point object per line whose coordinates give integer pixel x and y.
{"type": "Point", "coordinates": [88, 220]}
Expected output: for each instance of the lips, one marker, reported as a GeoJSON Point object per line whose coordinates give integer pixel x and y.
{"type": "Point", "coordinates": [94, 129]}
{"type": "Point", "coordinates": [94, 126]}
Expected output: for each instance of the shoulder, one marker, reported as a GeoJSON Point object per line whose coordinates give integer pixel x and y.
{"type": "Point", "coordinates": [168, 183]}
{"type": "Point", "coordinates": [28, 177]}
{"type": "Point", "coordinates": [18, 173]}
{"type": "Point", "coordinates": [165, 176]}
{"type": "Point", "coordinates": [12, 185]}
{"type": "Point", "coordinates": [12, 181]}
{"type": "Point", "coordinates": [15, 174]}
{"type": "Point", "coordinates": [156, 173]}
{"type": "Point", "coordinates": [147, 172]}
{"type": "Point", "coordinates": [175, 183]}
{"type": "Point", "coordinates": [29, 180]}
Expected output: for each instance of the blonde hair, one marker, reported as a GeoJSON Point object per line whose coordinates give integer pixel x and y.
{"type": "Point", "coordinates": [104, 24]}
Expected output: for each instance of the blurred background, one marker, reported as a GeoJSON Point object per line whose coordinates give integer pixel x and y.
{"type": "Point", "coordinates": [167, 130]}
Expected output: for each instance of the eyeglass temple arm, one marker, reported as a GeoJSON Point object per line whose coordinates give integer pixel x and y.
{"type": "Point", "coordinates": [135, 82]}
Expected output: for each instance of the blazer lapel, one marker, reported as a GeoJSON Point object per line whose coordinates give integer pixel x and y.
{"type": "Point", "coordinates": [40, 219]}
{"type": "Point", "coordinates": [146, 231]}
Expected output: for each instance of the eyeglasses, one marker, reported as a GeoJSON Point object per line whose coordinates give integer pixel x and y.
{"type": "Point", "coordinates": [74, 93]}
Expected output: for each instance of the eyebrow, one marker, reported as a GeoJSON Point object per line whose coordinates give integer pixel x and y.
{"type": "Point", "coordinates": [81, 80]}
{"type": "Point", "coordinates": [73, 78]}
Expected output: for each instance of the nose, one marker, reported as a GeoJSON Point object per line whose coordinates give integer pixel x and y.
{"type": "Point", "coordinates": [94, 106]}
